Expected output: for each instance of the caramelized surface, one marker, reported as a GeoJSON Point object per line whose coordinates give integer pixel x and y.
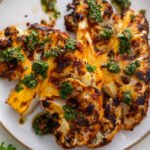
{"type": "Point", "coordinates": [93, 86]}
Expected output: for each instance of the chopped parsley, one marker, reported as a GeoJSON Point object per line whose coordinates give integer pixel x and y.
{"type": "Point", "coordinates": [113, 66]}
{"type": "Point", "coordinates": [9, 147]}
{"type": "Point", "coordinates": [19, 87]}
{"type": "Point", "coordinates": [32, 40]}
{"type": "Point", "coordinates": [40, 68]}
{"type": "Point", "coordinates": [30, 81]}
{"type": "Point", "coordinates": [70, 44]}
{"type": "Point", "coordinates": [49, 6]}
{"type": "Point", "coordinates": [48, 54]}
{"type": "Point", "coordinates": [127, 98]}
{"type": "Point", "coordinates": [132, 17]}
{"type": "Point", "coordinates": [125, 42]}
{"type": "Point", "coordinates": [90, 68]}
{"type": "Point", "coordinates": [11, 54]}
{"type": "Point", "coordinates": [131, 68]}
{"type": "Point", "coordinates": [94, 11]}
{"type": "Point", "coordinates": [70, 113]}
{"type": "Point", "coordinates": [106, 33]}
{"type": "Point", "coordinates": [43, 124]}
{"type": "Point", "coordinates": [44, 41]}
{"type": "Point", "coordinates": [123, 4]}
{"type": "Point", "coordinates": [143, 12]}
{"type": "Point", "coordinates": [65, 89]}
{"type": "Point", "coordinates": [54, 52]}
{"type": "Point", "coordinates": [56, 14]}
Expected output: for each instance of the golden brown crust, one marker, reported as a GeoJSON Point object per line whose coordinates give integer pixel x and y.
{"type": "Point", "coordinates": [97, 97]}
{"type": "Point", "coordinates": [130, 115]}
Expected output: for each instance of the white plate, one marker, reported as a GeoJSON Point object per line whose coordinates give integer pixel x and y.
{"type": "Point", "coordinates": [12, 12]}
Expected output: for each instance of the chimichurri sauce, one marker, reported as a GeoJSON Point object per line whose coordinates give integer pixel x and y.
{"type": "Point", "coordinates": [49, 7]}
{"type": "Point", "coordinates": [121, 5]}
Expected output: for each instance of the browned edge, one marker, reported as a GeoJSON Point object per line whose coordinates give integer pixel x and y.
{"type": "Point", "coordinates": [27, 147]}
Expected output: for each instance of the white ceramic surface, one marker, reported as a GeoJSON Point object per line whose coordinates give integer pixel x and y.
{"type": "Point", "coordinates": [12, 13]}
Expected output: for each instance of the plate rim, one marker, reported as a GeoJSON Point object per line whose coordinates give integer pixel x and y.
{"type": "Point", "coordinates": [144, 136]}
{"type": "Point", "coordinates": [14, 137]}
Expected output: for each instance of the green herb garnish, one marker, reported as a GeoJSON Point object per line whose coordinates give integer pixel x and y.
{"type": "Point", "coordinates": [65, 89]}
{"type": "Point", "coordinates": [125, 42]}
{"type": "Point", "coordinates": [94, 11]}
{"type": "Point", "coordinates": [30, 81]}
{"type": "Point", "coordinates": [48, 54]}
{"type": "Point", "coordinates": [127, 98]}
{"type": "Point", "coordinates": [70, 44]}
{"type": "Point", "coordinates": [143, 12]}
{"type": "Point", "coordinates": [123, 4]}
{"type": "Point", "coordinates": [11, 54]}
{"type": "Point", "coordinates": [43, 124]}
{"type": "Point", "coordinates": [19, 87]}
{"type": "Point", "coordinates": [56, 14]}
{"type": "Point", "coordinates": [113, 66]}
{"type": "Point", "coordinates": [70, 113]}
{"type": "Point", "coordinates": [32, 40]}
{"type": "Point", "coordinates": [106, 33]}
{"type": "Point", "coordinates": [132, 16]}
{"type": "Point", "coordinates": [90, 68]}
{"type": "Point", "coordinates": [49, 6]}
{"type": "Point", "coordinates": [131, 68]}
{"type": "Point", "coordinates": [43, 42]}
{"type": "Point", "coordinates": [9, 147]}
{"type": "Point", "coordinates": [54, 52]}
{"type": "Point", "coordinates": [40, 68]}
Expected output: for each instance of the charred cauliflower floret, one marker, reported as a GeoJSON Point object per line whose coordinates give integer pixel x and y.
{"type": "Point", "coordinates": [121, 45]}
{"type": "Point", "coordinates": [79, 115]}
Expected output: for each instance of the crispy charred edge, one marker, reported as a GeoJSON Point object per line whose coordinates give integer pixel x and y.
{"type": "Point", "coordinates": [145, 25]}
{"type": "Point", "coordinates": [64, 61]}
{"type": "Point", "coordinates": [140, 76]}
{"type": "Point", "coordinates": [70, 23]}
{"type": "Point", "coordinates": [73, 101]}
{"type": "Point", "coordinates": [107, 139]}
{"type": "Point", "coordinates": [108, 12]}
{"type": "Point", "coordinates": [69, 139]}
{"type": "Point", "coordinates": [10, 31]}
{"type": "Point", "coordinates": [113, 116]}
{"type": "Point", "coordinates": [146, 79]}
{"type": "Point", "coordinates": [9, 70]}
{"type": "Point", "coordinates": [47, 28]}
{"type": "Point", "coordinates": [115, 120]}
{"type": "Point", "coordinates": [10, 35]}
{"type": "Point", "coordinates": [43, 30]}
{"type": "Point", "coordinates": [5, 43]}
{"type": "Point", "coordinates": [143, 112]}
{"type": "Point", "coordinates": [72, 19]}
